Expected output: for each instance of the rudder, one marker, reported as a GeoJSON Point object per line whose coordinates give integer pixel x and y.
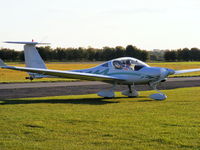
{"type": "Point", "coordinates": [32, 57]}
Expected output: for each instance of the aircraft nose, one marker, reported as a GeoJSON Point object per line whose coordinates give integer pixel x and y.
{"type": "Point", "coordinates": [152, 72]}
{"type": "Point", "coordinates": [156, 73]}
{"type": "Point", "coordinates": [165, 72]}
{"type": "Point", "coordinates": [160, 73]}
{"type": "Point", "coordinates": [171, 71]}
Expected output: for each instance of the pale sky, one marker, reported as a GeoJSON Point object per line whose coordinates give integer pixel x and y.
{"type": "Point", "coordinates": [147, 24]}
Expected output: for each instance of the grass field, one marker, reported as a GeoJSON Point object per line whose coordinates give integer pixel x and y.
{"type": "Point", "coordinates": [89, 122]}
{"type": "Point", "coordinates": [16, 76]}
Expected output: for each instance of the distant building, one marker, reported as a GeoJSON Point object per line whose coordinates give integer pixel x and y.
{"type": "Point", "coordinates": [157, 55]}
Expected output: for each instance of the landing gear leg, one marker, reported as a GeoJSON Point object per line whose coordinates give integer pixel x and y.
{"type": "Point", "coordinates": [130, 89]}
{"type": "Point", "coordinates": [158, 96]}
{"type": "Point", "coordinates": [130, 92]}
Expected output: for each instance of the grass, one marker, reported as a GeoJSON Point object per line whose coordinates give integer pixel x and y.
{"type": "Point", "coordinates": [90, 122]}
{"type": "Point", "coordinates": [7, 76]}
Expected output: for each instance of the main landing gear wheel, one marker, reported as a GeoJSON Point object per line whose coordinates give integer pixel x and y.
{"type": "Point", "coordinates": [107, 93]}
{"type": "Point", "coordinates": [130, 92]}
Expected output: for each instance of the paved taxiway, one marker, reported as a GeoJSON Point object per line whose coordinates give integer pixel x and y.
{"type": "Point", "coordinates": [37, 89]}
{"type": "Point", "coordinates": [81, 83]}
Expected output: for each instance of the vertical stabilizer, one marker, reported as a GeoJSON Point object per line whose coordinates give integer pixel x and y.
{"type": "Point", "coordinates": [32, 57]}
{"type": "Point", "coordinates": [2, 64]}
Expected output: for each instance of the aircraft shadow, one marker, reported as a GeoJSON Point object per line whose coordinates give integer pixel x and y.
{"type": "Point", "coordinates": [90, 101]}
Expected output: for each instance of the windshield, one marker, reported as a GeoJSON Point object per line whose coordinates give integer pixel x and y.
{"type": "Point", "coordinates": [105, 65]}
{"type": "Point", "coordinates": [126, 65]}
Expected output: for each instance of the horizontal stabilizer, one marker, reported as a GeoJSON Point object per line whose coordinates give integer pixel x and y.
{"type": "Point", "coordinates": [2, 64]}
{"type": "Point", "coordinates": [27, 43]}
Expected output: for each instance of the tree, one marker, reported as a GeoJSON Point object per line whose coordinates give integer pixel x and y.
{"type": "Point", "coordinates": [185, 54]}
{"type": "Point", "coordinates": [107, 53]}
{"type": "Point", "coordinates": [119, 52]}
{"type": "Point", "coordinates": [60, 54]}
{"type": "Point", "coordinates": [45, 52]}
{"type": "Point", "coordinates": [170, 55]}
{"type": "Point", "coordinates": [144, 55]}
{"type": "Point", "coordinates": [132, 51]}
{"type": "Point", "coordinates": [194, 54]}
{"type": "Point", "coordinates": [91, 54]}
{"type": "Point", "coordinates": [9, 54]}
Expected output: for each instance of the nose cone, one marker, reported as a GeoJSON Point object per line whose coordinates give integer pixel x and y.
{"type": "Point", "coordinates": [165, 72]}
{"type": "Point", "coordinates": [158, 73]}
{"type": "Point", "coordinates": [170, 71]}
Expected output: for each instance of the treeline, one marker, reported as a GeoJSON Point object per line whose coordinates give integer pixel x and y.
{"type": "Point", "coordinates": [78, 54]}
{"type": "Point", "coordinates": [104, 54]}
{"type": "Point", "coordinates": [185, 54]}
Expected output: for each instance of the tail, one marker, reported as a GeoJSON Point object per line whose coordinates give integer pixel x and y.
{"type": "Point", "coordinates": [32, 57]}
{"type": "Point", "coordinates": [2, 64]}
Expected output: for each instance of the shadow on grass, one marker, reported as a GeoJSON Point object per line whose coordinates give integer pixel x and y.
{"type": "Point", "coordinates": [90, 101]}
{"type": "Point", "coordinates": [146, 100]}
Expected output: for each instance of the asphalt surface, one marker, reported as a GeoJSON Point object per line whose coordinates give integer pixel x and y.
{"type": "Point", "coordinates": [34, 89]}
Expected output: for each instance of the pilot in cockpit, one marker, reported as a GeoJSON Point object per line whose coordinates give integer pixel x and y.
{"type": "Point", "coordinates": [129, 65]}
{"type": "Point", "coordinates": [125, 65]}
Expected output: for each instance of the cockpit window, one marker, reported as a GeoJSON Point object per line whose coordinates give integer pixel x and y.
{"type": "Point", "coordinates": [127, 64]}
{"type": "Point", "coordinates": [105, 65]}
{"type": "Point", "coordinates": [123, 64]}
{"type": "Point", "coordinates": [117, 64]}
{"type": "Point", "coordinates": [138, 67]}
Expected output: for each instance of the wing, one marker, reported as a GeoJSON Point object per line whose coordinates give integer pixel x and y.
{"type": "Point", "coordinates": [65, 74]}
{"type": "Point", "coordinates": [186, 71]}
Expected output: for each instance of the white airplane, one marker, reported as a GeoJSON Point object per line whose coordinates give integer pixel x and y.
{"type": "Point", "coordinates": [125, 71]}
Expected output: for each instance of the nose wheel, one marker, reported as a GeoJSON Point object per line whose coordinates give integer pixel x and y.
{"type": "Point", "coordinates": [157, 96]}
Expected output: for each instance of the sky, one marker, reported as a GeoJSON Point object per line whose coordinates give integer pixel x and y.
{"type": "Point", "coordinates": [147, 24]}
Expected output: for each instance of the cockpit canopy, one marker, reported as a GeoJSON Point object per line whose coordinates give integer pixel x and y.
{"type": "Point", "coordinates": [128, 63]}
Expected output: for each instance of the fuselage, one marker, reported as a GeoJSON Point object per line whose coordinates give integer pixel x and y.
{"type": "Point", "coordinates": [129, 69]}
